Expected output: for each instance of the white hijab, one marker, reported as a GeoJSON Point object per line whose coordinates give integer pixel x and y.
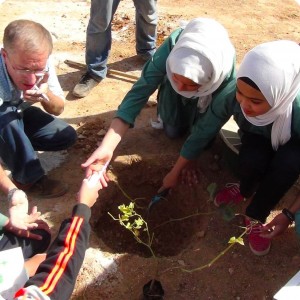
{"type": "Point", "coordinates": [204, 54]}
{"type": "Point", "coordinates": [275, 68]}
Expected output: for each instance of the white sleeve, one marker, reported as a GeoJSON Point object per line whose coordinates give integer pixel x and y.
{"type": "Point", "coordinates": [53, 83]}
{"type": "Point", "coordinates": [12, 272]}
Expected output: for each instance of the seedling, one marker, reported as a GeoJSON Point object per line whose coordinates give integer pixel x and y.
{"type": "Point", "coordinates": [132, 221]}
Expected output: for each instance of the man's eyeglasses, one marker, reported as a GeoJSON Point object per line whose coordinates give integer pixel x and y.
{"type": "Point", "coordinates": [37, 73]}
{"type": "Point", "coordinates": [27, 72]}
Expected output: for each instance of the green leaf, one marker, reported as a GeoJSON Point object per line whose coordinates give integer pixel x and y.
{"type": "Point", "coordinates": [124, 218]}
{"type": "Point", "coordinates": [128, 226]}
{"type": "Point", "coordinates": [234, 240]}
{"type": "Point", "coordinates": [127, 210]}
{"type": "Point", "coordinates": [240, 241]}
{"type": "Point", "coordinates": [139, 222]}
{"type": "Point", "coordinates": [227, 212]}
{"type": "Point", "coordinates": [212, 188]}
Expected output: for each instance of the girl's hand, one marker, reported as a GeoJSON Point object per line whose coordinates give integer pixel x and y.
{"type": "Point", "coordinates": [276, 227]}
{"type": "Point", "coordinates": [189, 175]}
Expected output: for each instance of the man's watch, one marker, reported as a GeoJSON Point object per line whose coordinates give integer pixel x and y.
{"type": "Point", "coordinates": [11, 193]}
{"type": "Point", "coordinates": [289, 215]}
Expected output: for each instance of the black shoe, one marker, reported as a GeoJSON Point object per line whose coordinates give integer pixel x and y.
{"type": "Point", "coordinates": [146, 55]}
{"type": "Point", "coordinates": [85, 85]}
{"type": "Point", "coordinates": [44, 188]}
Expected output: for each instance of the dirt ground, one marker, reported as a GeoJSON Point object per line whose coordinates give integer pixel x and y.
{"type": "Point", "coordinates": [116, 266]}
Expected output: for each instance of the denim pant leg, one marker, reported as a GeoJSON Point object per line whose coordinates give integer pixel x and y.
{"type": "Point", "coordinates": [146, 23]}
{"type": "Point", "coordinates": [281, 174]}
{"type": "Point", "coordinates": [98, 36]}
{"type": "Point", "coordinates": [46, 132]}
{"type": "Point", "coordinates": [16, 150]}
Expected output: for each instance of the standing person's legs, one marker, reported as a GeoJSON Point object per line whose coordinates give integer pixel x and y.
{"type": "Point", "coordinates": [282, 173]}
{"type": "Point", "coordinates": [146, 23]}
{"type": "Point", "coordinates": [98, 45]}
{"type": "Point", "coordinates": [98, 37]}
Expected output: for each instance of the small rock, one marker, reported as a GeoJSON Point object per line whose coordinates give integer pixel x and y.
{"type": "Point", "coordinates": [231, 271]}
{"type": "Point", "coordinates": [102, 132]}
{"type": "Point", "coordinates": [181, 262]}
{"type": "Point", "coordinates": [200, 234]}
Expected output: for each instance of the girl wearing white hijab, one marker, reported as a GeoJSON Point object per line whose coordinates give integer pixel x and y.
{"type": "Point", "coordinates": [268, 92]}
{"type": "Point", "coordinates": [189, 69]}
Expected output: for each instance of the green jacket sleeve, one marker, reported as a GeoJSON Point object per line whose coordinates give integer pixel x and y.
{"type": "Point", "coordinates": [3, 220]}
{"type": "Point", "coordinates": [209, 124]}
{"type": "Point", "coordinates": [152, 76]}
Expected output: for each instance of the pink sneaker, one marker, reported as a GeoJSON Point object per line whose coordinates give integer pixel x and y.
{"type": "Point", "coordinates": [258, 245]}
{"type": "Point", "coordinates": [230, 194]}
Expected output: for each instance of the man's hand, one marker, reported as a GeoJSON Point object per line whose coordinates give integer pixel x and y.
{"type": "Point", "coordinates": [18, 212]}
{"type": "Point", "coordinates": [38, 92]}
{"type": "Point", "coordinates": [27, 233]}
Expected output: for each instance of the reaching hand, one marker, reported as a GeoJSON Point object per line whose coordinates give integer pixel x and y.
{"type": "Point", "coordinates": [18, 212]}
{"type": "Point", "coordinates": [96, 162]}
{"type": "Point", "coordinates": [27, 233]}
{"type": "Point", "coordinates": [189, 175]}
{"type": "Point", "coordinates": [170, 180]}
{"type": "Point", "coordinates": [88, 193]}
{"type": "Point", "coordinates": [276, 227]}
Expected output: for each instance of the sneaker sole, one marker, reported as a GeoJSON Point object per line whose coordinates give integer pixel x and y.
{"type": "Point", "coordinates": [260, 253]}
{"type": "Point", "coordinates": [216, 203]}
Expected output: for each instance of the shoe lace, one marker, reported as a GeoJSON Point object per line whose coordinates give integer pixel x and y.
{"type": "Point", "coordinates": [85, 78]}
{"type": "Point", "coordinates": [254, 227]}
{"type": "Point", "coordinates": [233, 188]}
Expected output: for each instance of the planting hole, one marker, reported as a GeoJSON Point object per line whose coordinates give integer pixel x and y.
{"type": "Point", "coordinates": [140, 179]}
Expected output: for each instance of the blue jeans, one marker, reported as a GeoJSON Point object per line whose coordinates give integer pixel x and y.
{"type": "Point", "coordinates": [98, 38]}
{"type": "Point", "coordinates": [21, 136]}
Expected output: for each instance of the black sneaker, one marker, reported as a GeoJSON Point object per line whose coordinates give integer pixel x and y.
{"type": "Point", "coordinates": [84, 86]}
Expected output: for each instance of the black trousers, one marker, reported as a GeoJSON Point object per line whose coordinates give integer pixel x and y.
{"type": "Point", "coordinates": [267, 173]}
{"type": "Point", "coordinates": [30, 247]}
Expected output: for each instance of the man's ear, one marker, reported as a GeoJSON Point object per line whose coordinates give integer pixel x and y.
{"type": "Point", "coordinates": [3, 52]}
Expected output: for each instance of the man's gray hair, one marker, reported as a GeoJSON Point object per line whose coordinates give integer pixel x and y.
{"type": "Point", "coordinates": [26, 35]}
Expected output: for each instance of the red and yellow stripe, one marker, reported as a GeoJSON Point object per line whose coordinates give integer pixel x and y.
{"type": "Point", "coordinates": [64, 257]}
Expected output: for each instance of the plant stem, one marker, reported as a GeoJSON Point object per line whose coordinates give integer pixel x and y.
{"type": "Point", "coordinates": [183, 218]}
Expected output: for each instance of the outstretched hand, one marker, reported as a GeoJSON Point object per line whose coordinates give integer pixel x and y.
{"type": "Point", "coordinates": [276, 227]}
{"type": "Point", "coordinates": [18, 212]}
{"type": "Point", "coordinates": [189, 175]}
{"type": "Point", "coordinates": [88, 192]}
{"type": "Point", "coordinates": [97, 162]}
{"type": "Point", "coordinates": [27, 233]}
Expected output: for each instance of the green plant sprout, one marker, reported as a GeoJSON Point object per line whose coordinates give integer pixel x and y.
{"type": "Point", "coordinates": [134, 222]}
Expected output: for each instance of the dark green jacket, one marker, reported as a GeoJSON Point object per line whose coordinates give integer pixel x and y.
{"type": "Point", "coordinates": [173, 108]}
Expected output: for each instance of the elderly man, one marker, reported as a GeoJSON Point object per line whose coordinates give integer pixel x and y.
{"type": "Point", "coordinates": [27, 77]}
